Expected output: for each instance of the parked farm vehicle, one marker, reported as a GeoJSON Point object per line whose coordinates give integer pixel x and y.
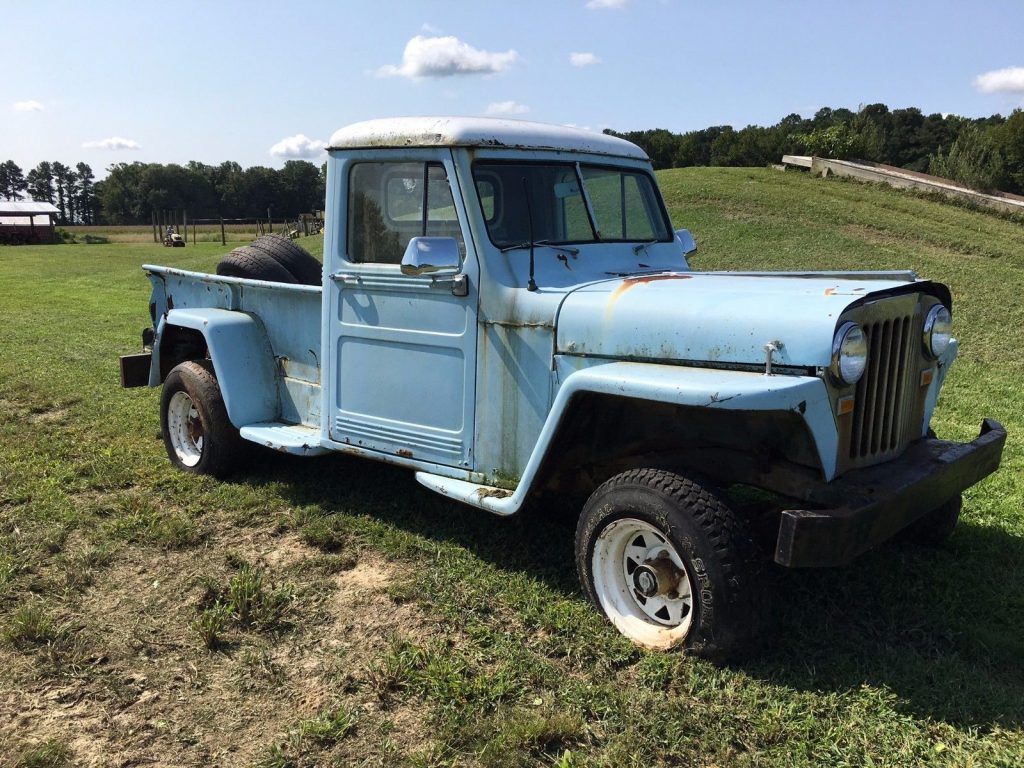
{"type": "Point", "coordinates": [505, 309]}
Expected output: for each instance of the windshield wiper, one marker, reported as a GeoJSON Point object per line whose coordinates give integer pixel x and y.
{"type": "Point", "coordinates": [644, 246]}
{"type": "Point", "coordinates": [545, 243]}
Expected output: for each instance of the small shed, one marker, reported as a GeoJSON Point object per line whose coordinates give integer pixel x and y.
{"type": "Point", "coordinates": [27, 222]}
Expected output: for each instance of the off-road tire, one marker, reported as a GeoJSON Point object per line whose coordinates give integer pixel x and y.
{"type": "Point", "coordinates": [293, 257]}
{"type": "Point", "coordinates": [728, 576]}
{"type": "Point", "coordinates": [934, 528]}
{"type": "Point", "coordinates": [223, 449]}
{"type": "Point", "coordinates": [253, 264]}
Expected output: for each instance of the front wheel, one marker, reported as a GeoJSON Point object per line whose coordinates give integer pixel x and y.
{"type": "Point", "coordinates": [670, 564]}
{"type": "Point", "coordinates": [934, 528]}
{"type": "Point", "coordinates": [198, 435]}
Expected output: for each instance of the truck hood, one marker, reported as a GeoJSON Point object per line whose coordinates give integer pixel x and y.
{"type": "Point", "coordinates": [716, 317]}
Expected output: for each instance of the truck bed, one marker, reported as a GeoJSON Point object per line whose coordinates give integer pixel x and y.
{"type": "Point", "coordinates": [290, 315]}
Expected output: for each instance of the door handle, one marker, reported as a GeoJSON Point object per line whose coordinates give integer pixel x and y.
{"type": "Point", "coordinates": [459, 283]}
{"type": "Point", "coordinates": [345, 277]}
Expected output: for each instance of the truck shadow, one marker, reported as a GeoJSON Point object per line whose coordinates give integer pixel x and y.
{"type": "Point", "coordinates": [941, 632]}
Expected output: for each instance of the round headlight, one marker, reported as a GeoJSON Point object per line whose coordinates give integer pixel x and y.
{"type": "Point", "coordinates": [849, 353]}
{"type": "Point", "coordinates": [938, 330]}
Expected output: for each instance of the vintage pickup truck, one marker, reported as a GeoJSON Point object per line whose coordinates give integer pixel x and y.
{"type": "Point", "coordinates": [505, 309]}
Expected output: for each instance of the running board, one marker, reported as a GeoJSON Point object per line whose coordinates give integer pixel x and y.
{"type": "Point", "coordinates": [496, 500]}
{"type": "Point", "coordinates": [297, 439]}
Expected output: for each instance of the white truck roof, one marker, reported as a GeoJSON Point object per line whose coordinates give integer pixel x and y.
{"type": "Point", "coordinates": [488, 132]}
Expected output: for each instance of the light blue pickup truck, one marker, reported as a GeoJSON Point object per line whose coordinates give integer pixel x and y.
{"type": "Point", "coordinates": [505, 309]}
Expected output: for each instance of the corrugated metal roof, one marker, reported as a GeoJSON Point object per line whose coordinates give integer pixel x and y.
{"type": "Point", "coordinates": [27, 207]}
{"type": "Point", "coordinates": [479, 132]}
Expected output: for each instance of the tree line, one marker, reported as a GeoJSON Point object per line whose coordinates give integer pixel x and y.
{"type": "Point", "coordinates": [983, 153]}
{"type": "Point", "coordinates": [131, 192]}
{"type": "Point", "coordinates": [72, 190]}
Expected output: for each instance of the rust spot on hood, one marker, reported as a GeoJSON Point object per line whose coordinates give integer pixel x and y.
{"type": "Point", "coordinates": [630, 282]}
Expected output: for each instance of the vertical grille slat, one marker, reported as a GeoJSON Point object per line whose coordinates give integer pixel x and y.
{"type": "Point", "coordinates": [899, 409]}
{"type": "Point", "coordinates": [882, 376]}
{"type": "Point", "coordinates": [870, 382]}
{"type": "Point", "coordinates": [882, 408]}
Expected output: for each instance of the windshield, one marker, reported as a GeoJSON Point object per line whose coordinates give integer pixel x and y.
{"type": "Point", "coordinates": [571, 203]}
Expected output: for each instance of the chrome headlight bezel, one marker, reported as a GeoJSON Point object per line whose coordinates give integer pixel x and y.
{"type": "Point", "coordinates": [937, 331]}
{"type": "Point", "coordinates": [849, 354]}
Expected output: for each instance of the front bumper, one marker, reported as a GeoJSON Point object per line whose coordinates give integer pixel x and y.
{"type": "Point", "coordinates": [880, 501]}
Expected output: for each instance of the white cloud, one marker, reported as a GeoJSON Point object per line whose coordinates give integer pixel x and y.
{"type": "Point", "coordinates": [446, 56]}
{"type": "Point", "coordinates": [583, 59]}
{"type": "Point", "coordinates": [298, 146]}
{"type": "Point", "coordinates": [1009, 80]}
{"type": "Point", "coordinates": [114, 142]}
{"type": "Point", "coordinates": [507, 108]}
{"type": "Point", "coordinates": [597, 5]}
{"type": "Point", "coordinates": [31, 105]}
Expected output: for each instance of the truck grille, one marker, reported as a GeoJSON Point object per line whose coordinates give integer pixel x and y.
{"type": "Point", "coordinates": [885, 395]}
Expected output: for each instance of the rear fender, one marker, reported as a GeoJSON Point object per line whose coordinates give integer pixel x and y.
{"type": "Point", "coordinates": [242, 357]}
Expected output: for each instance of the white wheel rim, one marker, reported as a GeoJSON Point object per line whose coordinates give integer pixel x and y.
{"type": "Point", "coordinates": [185, 429]}
{"type": "Point", "coordinates": [630, 556]}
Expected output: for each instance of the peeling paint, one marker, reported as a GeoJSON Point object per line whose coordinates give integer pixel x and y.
{"type": "Point", "coordinates": [631, 282]}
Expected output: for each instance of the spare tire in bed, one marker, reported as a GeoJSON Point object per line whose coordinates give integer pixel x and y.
{"type": "Point", "coordinates": [253, 264]}
{"type": "Point", "coordinates": [291, 256]}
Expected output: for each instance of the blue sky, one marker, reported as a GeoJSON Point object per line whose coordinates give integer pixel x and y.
{"type": "Point", "coordinates": [171, 82]}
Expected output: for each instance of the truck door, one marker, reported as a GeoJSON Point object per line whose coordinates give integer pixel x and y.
{"type": "Point", "coordinates": [402, 348]}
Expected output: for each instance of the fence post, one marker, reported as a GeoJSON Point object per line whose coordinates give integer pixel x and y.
{"type": "Point", "coordinates": [223, 239]}
{"type": "Point", "coordinates": [152, 217]}
{"type": "Point", "coordinates": [270, 221]}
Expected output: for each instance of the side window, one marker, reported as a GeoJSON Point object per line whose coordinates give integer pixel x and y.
{"type": "Point", "coordinates": [391, 203]}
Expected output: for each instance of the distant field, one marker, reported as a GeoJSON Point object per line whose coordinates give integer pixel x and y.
{"type": "Point", "coordinates": [333, 612]}
{"type": "Point", "coordinates": [143, 233]}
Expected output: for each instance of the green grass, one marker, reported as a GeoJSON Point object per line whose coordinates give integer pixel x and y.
{"type": "Point", "coordinates": [420, 632]}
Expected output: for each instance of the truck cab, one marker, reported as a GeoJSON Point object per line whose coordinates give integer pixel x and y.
{"type": "Point", "coordinates": [505, 309]}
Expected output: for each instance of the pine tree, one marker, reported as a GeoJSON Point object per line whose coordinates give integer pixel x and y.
{"type": "Point", "coordinates": [85, 196]}
{"type": "Point", "coordinates": [60, 180]}
{"type": "Point", "coordinates": [12, 180]}
{"type": "Point", "coordinates": [40, 182]}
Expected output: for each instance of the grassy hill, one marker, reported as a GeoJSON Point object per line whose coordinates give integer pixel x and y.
{"type": "Point", "coordinates": [333, 612]}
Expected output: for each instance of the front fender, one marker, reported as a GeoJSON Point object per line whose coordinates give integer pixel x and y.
{"type": "Point", "coordinates": [242, 357]}
{"type": "Point", "coordinates": [679, 385]}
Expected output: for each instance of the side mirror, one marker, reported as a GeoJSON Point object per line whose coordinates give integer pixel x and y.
{"type": "Point", "coordinates": [430, 255]}
{"type": "Point", "coordinates": [686, 241]}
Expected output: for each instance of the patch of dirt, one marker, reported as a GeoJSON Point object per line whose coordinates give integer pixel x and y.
{"type": "Point", "coordinates": [149, 693]}
{"type": "Point", "coordinates": [34, 413]}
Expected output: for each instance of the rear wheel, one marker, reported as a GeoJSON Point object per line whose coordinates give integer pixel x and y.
{"type": "Point", "coordinates": [197, 433]}
{"type": "Point", "coordinates": [670, 565]}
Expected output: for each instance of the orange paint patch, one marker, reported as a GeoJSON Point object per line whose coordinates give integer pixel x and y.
{"type": "Point", "coordinates": [630, 282]}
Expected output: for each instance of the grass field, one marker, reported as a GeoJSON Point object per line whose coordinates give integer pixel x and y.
{"type": "Point", "coordinates": [332, 612]}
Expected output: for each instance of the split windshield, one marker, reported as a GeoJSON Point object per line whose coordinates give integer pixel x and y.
{"type": "Point", "coordinates": [570, 202]}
